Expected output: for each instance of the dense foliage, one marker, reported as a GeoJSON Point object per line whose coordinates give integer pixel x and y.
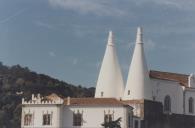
{"type": "Point", "coordinates": [112, 124]}
{"type": "Point", "coordinates": [17, 82]}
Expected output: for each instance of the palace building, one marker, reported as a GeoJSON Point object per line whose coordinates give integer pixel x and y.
{"type": "Point", "coordinates": [149, 99]}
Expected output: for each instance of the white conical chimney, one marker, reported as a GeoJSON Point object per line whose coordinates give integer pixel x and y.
{"type": "Point", "coordinates": [138, 82]}
{"type": "Point", "coordinates": [110, 82]}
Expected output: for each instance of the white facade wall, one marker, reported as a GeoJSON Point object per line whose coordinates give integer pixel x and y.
{"type": "Point", "coordinates": [161, 88]}
{"type": "Point", "coordinates": [93, 116]}
{"type": "Point", "coordinates": [62, 117]}
{"type": "Point", "coordinates": [37, 111]}
{"type": "Point", "coordinates": [189, 93]}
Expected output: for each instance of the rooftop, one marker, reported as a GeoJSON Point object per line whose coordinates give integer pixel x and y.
{"type": "Point", "coordinates": [93, 101]}
{"type": "Point", "coordinates": [181, 78]}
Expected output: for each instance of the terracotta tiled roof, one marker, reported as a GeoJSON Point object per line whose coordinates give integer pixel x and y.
{"type": "Point", "coordinates": [94, 101]}
{"type": "Point", "coordinates": [181, 78]}
{"type": "Point", "coordinates": [133, 101]}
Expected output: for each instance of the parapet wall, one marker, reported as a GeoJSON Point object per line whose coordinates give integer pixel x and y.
{"type": "Point", "coordinates": [42, 100]}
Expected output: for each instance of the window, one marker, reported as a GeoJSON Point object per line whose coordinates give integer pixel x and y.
{"type": "Point", "coordinates": [47, 119]}
{"type": "Point", "coordinates": [130, 120]}
{"type": "Point", "coordinates": [102, 94]}
{"type": "Point", "coordinates": [107, 118]}
{"type": "Point", "coordinates": [77, 119]}
{"type": "Point", "coordinates": [136, 124]}
{"type": "Point", "coordinates": [128, 92]}
{"type": "Point", "coordinates": [167, 104]}
{"type": "Point", "coordinates": [28, 119]}
{"type": "Point", "coordinates": [191, 105]}
{"type": "Point", "coordinates": [154, 98]}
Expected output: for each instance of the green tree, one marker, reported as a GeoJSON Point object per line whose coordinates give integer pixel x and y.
{"type": "Point", "coordinates": [113, 124]}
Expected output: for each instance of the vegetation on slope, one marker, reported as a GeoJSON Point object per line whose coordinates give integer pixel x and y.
{"type": "Point", "coordinates": [17, 82]}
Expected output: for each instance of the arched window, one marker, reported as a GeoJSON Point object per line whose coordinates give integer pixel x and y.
{"type": "Point", "coordinates": [47, 119]}
{"type": "Point", "coordinates": [77, 119]}
{"type": "Point", "coordinates": [191, 105]}
{"type": "Point", "coordinates": [108, 118]}
{"type": "Point", "coordinates": [167, 104]}
{"type": "Point", "coordinates": [102, 94]}
{"type": "Point", "coordinates": [28, 119]}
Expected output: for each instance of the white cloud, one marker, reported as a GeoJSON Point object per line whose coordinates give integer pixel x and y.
{"type": "Point", "coordinates": [52, 54]}
{"type": "Point", "coordinates": [114, 8]}
{"type": "Point", "coordinates": [99, 7]}
{"type": "Point", "coordinates": [181, 4]}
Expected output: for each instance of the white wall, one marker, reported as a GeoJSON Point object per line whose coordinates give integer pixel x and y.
{"type": "Point", "coordinates": [161, 88]}
{"type": "Point", "coordinates": [37, 111]}
{"type": "Point", "coordinates": [93, 116]}
{"type": "Point", "coordinates": [189, 93]}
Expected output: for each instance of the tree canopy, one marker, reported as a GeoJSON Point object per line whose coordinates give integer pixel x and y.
{"type": "Point", "coordinates": [17, 82]}
{"type": "Point", "coordinates": [113, 124]}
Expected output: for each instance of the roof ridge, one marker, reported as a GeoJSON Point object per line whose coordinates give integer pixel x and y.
{"type": "Point", "coordinates": [168, 72]}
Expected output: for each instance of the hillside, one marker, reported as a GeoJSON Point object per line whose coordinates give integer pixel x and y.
{"type": "Point", "coordinates": [17, 82]}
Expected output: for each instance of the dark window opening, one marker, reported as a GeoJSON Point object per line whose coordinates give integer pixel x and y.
{"type": "Point", "coordinates": [129, 120]}
{"type": "Point", "coordinates": [191, 105]}
{"type": "Point", "coordinates": [102, 94]}
{"type": "Point", "coordinates": [136, 124]}
{"type": "Point", "coordinates": [47, 119]}
{"type": "Point", "coordinates": [167, 104]}
{"type": "Point", "coordinates": [77, 119]}
{"type": "Point", "coordinates": [107, 118]}
{"type": "Point", "coordinates": [28, 119]}
{"type": "Point", "coordinates": [128, 92]}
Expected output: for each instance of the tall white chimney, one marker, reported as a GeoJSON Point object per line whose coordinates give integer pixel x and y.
{"type": "Point", "coordinates": [138, 82]}
{"type": "Point", "coordinates": [110, 82]}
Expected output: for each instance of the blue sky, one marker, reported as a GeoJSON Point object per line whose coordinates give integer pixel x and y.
{"type": "Point", "coordinates": [66, 39]}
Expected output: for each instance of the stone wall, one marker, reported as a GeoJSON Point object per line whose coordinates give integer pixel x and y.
{"type": "Point", "coordinates": [154, 117]}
